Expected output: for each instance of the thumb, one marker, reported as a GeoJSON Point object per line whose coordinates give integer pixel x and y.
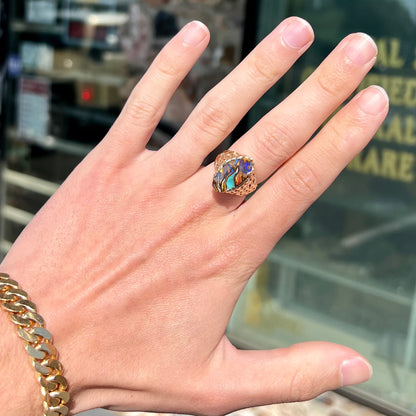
{"type": "Point", "coordinates": [300, 372]}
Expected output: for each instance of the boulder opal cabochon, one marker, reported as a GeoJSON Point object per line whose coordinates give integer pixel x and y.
{"type": "Point", "coordinates": [232, 174]}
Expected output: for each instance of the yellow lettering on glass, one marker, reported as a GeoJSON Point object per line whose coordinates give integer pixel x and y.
{"type": "Point", "coordinates": [407, 167]}
{"type": "Point", "coordinates": [400, 130]}
{"type": "Point", "coordinates": [385, 163]}
{"type": "Point", "coordinates": [389, 53]}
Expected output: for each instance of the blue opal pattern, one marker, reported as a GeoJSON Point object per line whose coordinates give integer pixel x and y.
{"type": "Point", "coordinates": [232, 174]}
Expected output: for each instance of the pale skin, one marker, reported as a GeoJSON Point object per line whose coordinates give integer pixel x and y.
{"type": "Point", "coordinates": [136, 263]}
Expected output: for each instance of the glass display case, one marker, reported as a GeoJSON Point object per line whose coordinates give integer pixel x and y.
{"type": "Point", "coordinates": [346, 272]}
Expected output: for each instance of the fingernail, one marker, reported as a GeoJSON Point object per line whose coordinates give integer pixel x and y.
{"type": "Point", "coordinates": [361, 49]}
{"type": "Point", "coordinates": [355, 371]}
{"type": "Point", "coordinates": [373, 99]}
{"type": "Point", "coordinates": [297, 33]}
{"type": "Point", "coordinates": [194, 33]}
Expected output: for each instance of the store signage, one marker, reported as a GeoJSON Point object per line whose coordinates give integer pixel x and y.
{"type": "Point", "coordinates": [392, 155]}
{"type": "Point", "coordinates": [33, 108]}
{"type": "Point", "coordinates": [387, 166]}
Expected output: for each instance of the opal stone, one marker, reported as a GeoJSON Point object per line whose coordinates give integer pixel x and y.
{"type": "Point", "coordinates": [232, 174]}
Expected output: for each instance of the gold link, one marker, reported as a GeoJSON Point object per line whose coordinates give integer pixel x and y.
{"type": "Point", "coordinates": [34, 317]}
{"type": "Point", "coordinates": [61, 410]}
{"type": "Point", "coordinates": [19, 293]}
{"type": "Point", "coordinates": [19, 320]}
{"type": "Point", "coordinates": [38, 344]}
{"type": "Point", "coordinates": [6, 297]}
{"type": "Point", "coordinates": [26, 336]}
{"type": "Point", "coordinates": [62, 395]}
{"type": "Point", "coordinates": [44, 391]}
{"type": "Point", "coordinates": [41, 369]}
{"type": "Point", "coordinates": [52, 401]}
{"type": "Point", "coordinates": [53, 364]}
{"type": "Point", "coordinates": [48, 348]}
{"type": "Point", "coordinates": [35, 353]}
{"type": "Point", "coordinates": [41, 332]}
{"type": "Point", "coordinates": [13, 307]}
{"type": "Point", "coordinates": [57, 411]}
{"type": "Point", "coordinates": [50, 413]}
{"type": "Point", "coordinates": [60, 379]}
{"type": "Point", "coordinates": [9, 283]}
{"type": "Point", "coordinates": [48, 385]}
{"type": "Point", "coordinates": [27, 303]}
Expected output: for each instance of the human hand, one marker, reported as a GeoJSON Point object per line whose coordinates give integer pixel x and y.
{"type": "Point", "coordinates": [136, 263]}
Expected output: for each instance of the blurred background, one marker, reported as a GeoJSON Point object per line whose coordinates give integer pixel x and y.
{"type": "Point", "coordinates": [346, 271]}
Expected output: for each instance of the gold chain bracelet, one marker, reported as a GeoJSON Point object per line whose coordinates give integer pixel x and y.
{"type": "Point", "coordinates": [38, 343]}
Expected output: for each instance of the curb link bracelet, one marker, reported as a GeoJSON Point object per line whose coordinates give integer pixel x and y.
{"type": "Point", "coordinates": [38, 344]}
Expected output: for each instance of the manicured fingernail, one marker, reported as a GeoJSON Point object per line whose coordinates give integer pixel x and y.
{"type": "Point", "coordinates": [355, 371]}
{"type": "Point", "coordinates": [297, 33]}
{"type": "Point", "coordinates": [361, 49]}
{"type": "Point", "coordinates": [373, 99]}
{"type": "Point", "coordinates": [194, 33]}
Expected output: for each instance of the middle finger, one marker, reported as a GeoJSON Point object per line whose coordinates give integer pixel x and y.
{"type": "Point", "coordinates": [286, 128]}
{"type": "Point", "coordinates": [224, 106]}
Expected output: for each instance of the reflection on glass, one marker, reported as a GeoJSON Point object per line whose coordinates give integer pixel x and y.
{"type": "Point", "coordinates": [346, 272]}
{"type": "Point", "coordinates": [73, 64]}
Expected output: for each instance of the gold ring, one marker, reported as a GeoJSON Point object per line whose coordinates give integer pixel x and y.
{"type": "Point", "coordinates": [234, 174]}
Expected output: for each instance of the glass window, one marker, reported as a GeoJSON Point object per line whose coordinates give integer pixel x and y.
{"type": "Point", "coordinates": [346, 271]}
{"type": "Point", "coordinates": [71, 65]}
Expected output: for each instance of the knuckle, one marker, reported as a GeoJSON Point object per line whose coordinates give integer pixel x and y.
{"type": "Point", "coordinates": [301, 386]}
{"type": "Point", "coordinates": [262, 68]}
{"type": "Point", "coordinates": [330, 81]}
{"type": "Point", "coordinates": [213, 119]}
{"type": "Point", "coordinates": [327, 85]}
{"type": "Point", "coordinates": [276, 142]}
{"type": "Point", "coordinates": [143, 112]}
{"type": "Point", "coordinates": [342, 131]}
{"type": "Point", "coordinates": [301, 182]}
{"type": "Point", "coordinates": [167, 66]}
{"type": "Point", "coordinates": [338, 137]}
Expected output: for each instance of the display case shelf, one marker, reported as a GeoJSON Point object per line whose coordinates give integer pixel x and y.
{"type": "Point", "coordinates": [385, 209]}
{"type": "Point", "coordinates": [29, 182]}
{"type": "Point", "coordinates": [93, 115]}
{"type": "Point", "coordinates": [107, 3]}
{"type": "Point", "coordinates": [52, 143]}
{"type": "Point", "coordinates": [16, 215]}
{"type": "Point", "coordinates": [5, 246]}
{"type": "Point", "coordinates": [83, 76]}
{"type": "Point", "coordinates": [324, 271]}
{"type": "Point", "coordinates": [110, 18]}
{"type": "Point", "coordinates": [42, 28]}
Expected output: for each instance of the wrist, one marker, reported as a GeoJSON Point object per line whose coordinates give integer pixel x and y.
{"type": "Point", "coordinates": [20, 393]}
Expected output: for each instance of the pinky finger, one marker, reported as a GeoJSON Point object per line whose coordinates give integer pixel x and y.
{"type": "Point", "coordinates": [304, 177]}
